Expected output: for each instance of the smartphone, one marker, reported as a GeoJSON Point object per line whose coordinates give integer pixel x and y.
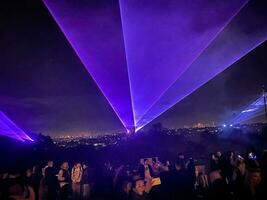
{"type": "Point", "coordinates": [252, 156]}
{"type": "Point", "coordinates": [156, 181]}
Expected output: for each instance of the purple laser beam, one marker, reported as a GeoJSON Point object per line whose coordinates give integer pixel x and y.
{"type": "Point", "coordinates": [6, 131]}
{"type": "Point", "coordinates": [10, 129]}
{"type": "Point", "coordinates": [75, 19]}
{"type": "Point", "coordinates": [253, 110]}
{"type": "Point", "coordinates": [162, 38]}
{"type": "Point", "coordinates": [243, 34]}
{"type": "Point", "coordinates": [166, 102]}
{"type": "Point", "coordinates": [94, 31]}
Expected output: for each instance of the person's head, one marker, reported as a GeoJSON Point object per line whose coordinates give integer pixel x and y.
{"type": "Point", "coordinates": [147, 161]}
{"type": "Point", "coordinates": [215, 175]}
{"type": "Point", "coordinates": [77, 165]}
{"type": "Point", "coordinates": [36, 169]}
{"type": "Point", "coordinates": [165, 165]}
{"type": "Point", "coordinates": [128, 172]}
{"type": "Point", "coordinates": [139, 186]}
{"type": "Point", "coordinates": [191, 161]}
{"type": "Point", "coordinates": [28, 173]}
{"type": "Point", "coordinates": [50, 163]}
{"type": "Point", "coordinates": [180, 164]}
{"type": "Point", "coordinates": [168, 163]}
{"type": "Point", "coordinates": [65, 165]}
{"type": "Point", "coordinates": [181, 156]}
{"type": "Point", "coordinates": [85, 165]}
{"type": "Point", "coordinates": [136, 177]}
{"type": "Point", "coordinates": [241, 166]}
{"type": "Point", "coordinates": [126, 186]}
{"type": "Point", "coordinates": [214, 157]}
{"type": "Point", "coordinates": [255, 177]}
{"type": "Point", "coordinates": [218, 154]}
{"type": "Point", "coordinates": [108, 165]}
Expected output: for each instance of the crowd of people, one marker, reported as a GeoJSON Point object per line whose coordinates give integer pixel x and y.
{"type": "Point", "coordinates": [227, 176]}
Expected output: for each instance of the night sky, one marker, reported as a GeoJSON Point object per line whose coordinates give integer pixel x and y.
{"type": "Point", "coordinates": [45, 88]}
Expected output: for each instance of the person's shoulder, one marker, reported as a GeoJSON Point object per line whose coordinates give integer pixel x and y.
{"type": "Point", "coordinates": [48, 169]}
{"type": "Point", "coordinates": [146, 196]}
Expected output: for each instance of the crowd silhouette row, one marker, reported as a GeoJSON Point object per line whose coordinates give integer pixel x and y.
{"type": "Point", "coordinates": [227, 176]}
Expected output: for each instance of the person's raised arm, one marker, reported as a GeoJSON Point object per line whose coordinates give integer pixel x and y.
{"type": "Point", "coordinates": [60, 175]}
